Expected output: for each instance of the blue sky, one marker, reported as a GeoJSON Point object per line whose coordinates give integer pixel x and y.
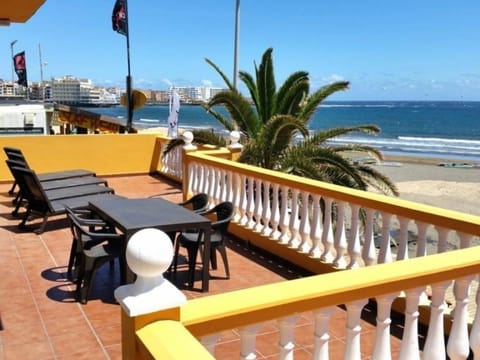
{"type": "Point", "coordinates": [402, 50]}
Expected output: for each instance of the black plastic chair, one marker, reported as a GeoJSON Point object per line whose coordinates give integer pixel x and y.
{"type": "Point", "coordinates": [92, 249]}
{"type": "Point", "coordinates": [197, 203]}
{"type": "Point", "coordinates": [192, 241]}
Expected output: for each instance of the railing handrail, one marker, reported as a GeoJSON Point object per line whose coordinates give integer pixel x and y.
{"type": "Point", "coordinates": [445, 218]}
{"type": "Point", "coordinates": [235, 309]}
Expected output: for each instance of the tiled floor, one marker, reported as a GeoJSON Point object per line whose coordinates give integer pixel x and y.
{"type": "Point", "coordinates": [40, 318]}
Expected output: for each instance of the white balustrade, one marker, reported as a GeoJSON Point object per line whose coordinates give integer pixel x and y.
{"type": "Point", "coordinates": [304, 223]}
{"type": "Point", "coordinates": [410, 348]}
{"type": "Point", "coordinates": [248, 337]}
{"type": "Point", "coordinates": [382, 349]}
{"type": "Point", "coordinates": [321, 336]}
{"type": "Point", "coordinates": [352, 347]}
{"type": "Point", "coordinates": [316, 227]}
{"type": "Point", "coordinates": [354, 239]}
{"type": "Point", "coordinates": [458, 346]}
{"type": "Point", "coordinates": [286, 342]}
{"type": "Point", "coordinates": [340, 240]}
{"type": "Point", "coordinates": [435, 344]}
{"type": "Point", "coordinates": [334, 230]}
{"type": "Point", "coordinates": [327, 234]}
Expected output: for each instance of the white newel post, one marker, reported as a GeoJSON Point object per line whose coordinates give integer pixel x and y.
{"type": "Point", "coordinates": [187, 137]}
{"type": "Point", "coordinates": [151, 297]}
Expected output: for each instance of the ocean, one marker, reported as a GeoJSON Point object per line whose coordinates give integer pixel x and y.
{"type": "Point", "coordinates": [432, 129]}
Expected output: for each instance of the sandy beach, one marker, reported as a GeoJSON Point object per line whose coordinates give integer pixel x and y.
{"type": "Point", "coordinates": [424, 181]}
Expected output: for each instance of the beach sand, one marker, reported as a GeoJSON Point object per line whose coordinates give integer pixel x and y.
{"type": "Point", "coordinates": [423, 181]}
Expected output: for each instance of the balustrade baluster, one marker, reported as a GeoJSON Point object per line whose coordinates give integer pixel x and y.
{"type": "Point", "coordinates": [382, 350]}
{"type": "Point", "coordinates": [410, 349]}
{"type": "Point", "coordinates": [209, 342]}
{"type": "Point", "coordinates": [353, 239]}
{"type": "Point", "coordinates": [284, 215]}
{"type": "Point", "coordinates": [327, 234]}
{"type": "Point", "coordinates": [257, 213]}
{"type": "Point", "coordinates": [340, 240]}
{"type": "Point", "coordinates": [321, 335]}
{"type": "Point", "coordinates": [286, 342]}
{"type": "Point", "coordinates": [222, 185]}
{"type": "Point", "coordinates": [475, 331]}
{"type": "Point", "coordinates": [274, 214]}
{"type": "Point", "coordinates": [242, 206]}
{"type": "Point", "coordinates": [385, 253]}
{"type": "Point", "coordinates": [211, 184]}
{"type": "Point", "coordinates": [458, 346]}
{"type": "Point", "coordinates": [248, 336]}
{"type": "Point", "coordinates": [434, 347]}
{"type": "Point", "coordinates": [354, 312]}
{"type": "Point", "coordinates": [266, 230]}
{"type": "Point", "coordinates": [251, 203]}
{"type": "Point", "coordinates": [294, 222]}
{"type": "Point", "coordinates": [217, 185]}
{"type": "Point", "coordinates": [316, 227]}
{"type": "Point", "coordinates": [368, 250]}
{"type": "Point", "coordinates": [442, 239]}
{"type": "Point", "coordinates": [234, 194]}
{"type": "Point", "coordinates": [402, 250]}
{"type": "Point", "coordinates": [304, 223]}
{"type": "Point", "coordinates": [422, 239]}
{"type": "Point", "coordinates": [203, 180]}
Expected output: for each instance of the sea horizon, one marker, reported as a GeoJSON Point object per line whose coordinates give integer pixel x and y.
{"type": "Point", "coordinates": [419, 128]}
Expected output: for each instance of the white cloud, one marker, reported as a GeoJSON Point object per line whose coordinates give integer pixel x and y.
{"type": "Point", "coordinates": [166, 81]}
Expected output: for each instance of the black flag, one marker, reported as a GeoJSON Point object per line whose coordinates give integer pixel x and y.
{"type": "Point", "coordinates": [119, 17]}
{"type": "Point", "coordinates": [20, 66]}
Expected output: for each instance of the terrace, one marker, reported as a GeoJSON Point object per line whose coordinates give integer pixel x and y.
{"type": "Point", "coordinates": [307, 316]}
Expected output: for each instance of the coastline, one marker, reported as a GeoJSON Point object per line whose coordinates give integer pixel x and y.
{"type": "Point", "coordinates": [423, 180]}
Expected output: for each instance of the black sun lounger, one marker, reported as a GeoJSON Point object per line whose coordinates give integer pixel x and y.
{"type": "Point", "coordinates": [45, 203]}
{"type": "Point", "coordinates": [17, 155]}
{"type": "Point", "coordinates": [53, 184]}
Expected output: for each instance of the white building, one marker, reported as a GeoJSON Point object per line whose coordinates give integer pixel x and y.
{"type": "Point", "coordinates": [81, 92]}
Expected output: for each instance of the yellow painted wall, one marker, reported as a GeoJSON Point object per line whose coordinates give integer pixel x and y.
{"type": "Point", "coordinates": [114, 154]}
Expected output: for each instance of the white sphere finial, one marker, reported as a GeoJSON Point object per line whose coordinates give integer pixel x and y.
{"type": "Point", "coordinates": [234, 140]}
{"type": "Point", "coordinates": [149, 252]}
{"type": "Point", "coordinates": [187, 136]}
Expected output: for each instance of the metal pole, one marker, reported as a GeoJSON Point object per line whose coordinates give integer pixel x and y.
{"type": "Point", "coordinates": [41, 71]}
{"type": "Point", "coordinates": [13, 67]}
{"type": "Point", "coordinates": [235, 57]}
{"type": "Point", "coordinates": [129, 78]}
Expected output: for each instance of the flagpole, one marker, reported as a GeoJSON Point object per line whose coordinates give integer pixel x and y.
{"type": "Point", "coordinates": [129, 78]}
{"type": "Point", "coordinates": [235, 56]}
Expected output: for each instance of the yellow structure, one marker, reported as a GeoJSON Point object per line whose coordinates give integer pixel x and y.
{"type": "Point", "coordinates": [18, 11]}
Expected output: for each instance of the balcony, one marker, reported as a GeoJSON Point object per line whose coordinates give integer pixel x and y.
{"type": "Point", "coordinates": [323, 314]}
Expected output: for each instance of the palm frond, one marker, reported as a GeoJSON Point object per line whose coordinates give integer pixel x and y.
{"type": "Point", "coordinates": [295, 86]}
{"type": "Point", "coordinates": [221, 73]}
{"type": "Point", "coordinates": [266, 87]}
{"type": "Point", "coordinates": [239, 109]}
{"type": "Point", "coordinates": [315, 99]}
{"type": "Point", "coordinates": [226, 123]}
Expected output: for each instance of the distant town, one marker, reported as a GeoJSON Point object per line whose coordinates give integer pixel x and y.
{"type": "Point", "coordinates": [70, 90]}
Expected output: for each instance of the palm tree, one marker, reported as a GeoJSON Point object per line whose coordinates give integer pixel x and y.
{"type": "Point", "coordinates": [271, 128]}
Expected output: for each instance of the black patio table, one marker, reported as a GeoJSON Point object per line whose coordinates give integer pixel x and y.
{"type": "Point", "coordinates": [132, 215]}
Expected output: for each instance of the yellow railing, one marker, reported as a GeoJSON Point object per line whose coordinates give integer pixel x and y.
{"type": "Point", "coordinates": [239, 309]}
{"type": "Point", "coordinates": [263, 221]}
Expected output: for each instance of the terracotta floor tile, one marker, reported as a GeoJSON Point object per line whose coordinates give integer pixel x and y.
{"type": "Point", "coordinates": [29, 351]}
{"type": "Point", "coordinates": [35, 292]}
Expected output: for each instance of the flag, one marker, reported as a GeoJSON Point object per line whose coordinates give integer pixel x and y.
{"type": "Point", "coordinates": [174, 107]}
{"type": "Point", "coordinates": [20, 66]}
{"type": "Point", "coordinates": [119, 17]}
